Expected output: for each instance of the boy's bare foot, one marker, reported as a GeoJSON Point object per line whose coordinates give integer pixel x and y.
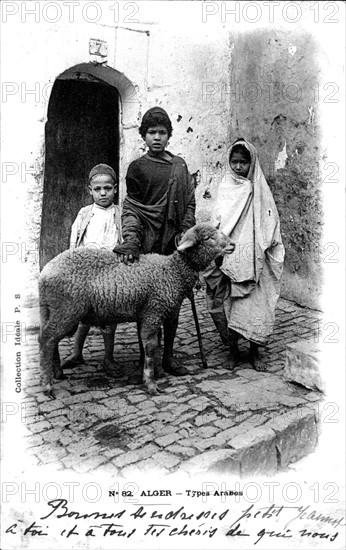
{"type": "Point", "coordinates": [72, 361]}
{"type": "Point", "coordinates": [233, 358]}
{"type": "Point", "coordinates": [111, 368]}
{"type": "Point", "coordinates": [173, 367]}
{"type": "Point", "coordinates": [159, 372]}
{"type": "Point", "coordinates": [135, 379]}
{"type": "Point", "coordinates": [258, 365]}
{"type": "Point", "coordinates": [255, 359]}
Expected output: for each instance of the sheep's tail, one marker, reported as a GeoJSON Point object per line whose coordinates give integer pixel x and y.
{"type": "Point", "coordinates": [44, 308]}
{"type": "Point", "coordinates": [44, 314]}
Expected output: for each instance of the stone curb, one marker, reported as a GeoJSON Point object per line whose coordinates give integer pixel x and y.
{"type": "Point", "coordinates": [267, 449]}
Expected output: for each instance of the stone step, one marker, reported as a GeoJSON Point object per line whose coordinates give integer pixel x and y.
{"type": "Point", "coordinates": [302, 364]}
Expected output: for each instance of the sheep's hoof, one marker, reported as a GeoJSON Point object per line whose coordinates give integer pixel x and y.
{"type": "Point", "coordinates": [60, 376]}
{"type": "Point", "coordinates": [50, 393]}
{"type": "Point", "coordinates": [72, 361]}
{"type": "Point", "coordinates": [160, 373]}
{"type": "Point", "coordinates": [153, 389]}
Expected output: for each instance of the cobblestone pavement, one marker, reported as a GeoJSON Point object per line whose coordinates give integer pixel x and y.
{"type": "Point", "coordinates": [242, 422]}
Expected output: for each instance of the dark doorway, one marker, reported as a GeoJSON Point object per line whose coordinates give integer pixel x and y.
{"type": "Point", "coordinates": [82, 130]}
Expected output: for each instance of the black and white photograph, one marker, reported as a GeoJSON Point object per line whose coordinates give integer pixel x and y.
{"type": "Point", "coordinates": [173, 275]}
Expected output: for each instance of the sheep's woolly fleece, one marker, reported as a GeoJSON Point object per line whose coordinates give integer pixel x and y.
{"type": "Point", "coordinates": [92, 286]}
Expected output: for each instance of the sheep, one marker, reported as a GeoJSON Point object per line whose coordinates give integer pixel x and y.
{"type": "Point", "coordinates": [94, 287]}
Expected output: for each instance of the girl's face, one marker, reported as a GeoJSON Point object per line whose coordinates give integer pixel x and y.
{"type": "Point", "coordinates": [239, 163]}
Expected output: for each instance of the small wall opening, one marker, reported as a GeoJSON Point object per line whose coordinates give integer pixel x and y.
{"type": "Point", "coordinates": [82, 130]}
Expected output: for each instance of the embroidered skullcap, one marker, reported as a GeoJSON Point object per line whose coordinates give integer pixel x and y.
{"type": "Point", "coordinates": [103, 169]}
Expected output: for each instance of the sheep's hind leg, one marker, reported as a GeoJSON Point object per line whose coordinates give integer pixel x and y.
{"type": "Point", "coordinates": [150, 346]}
{"type": "Point", "coordinates": [48, 357]}
{"type": "Point", "coordinates": [50, 336]}
{"type": "Point", "coordinates": [111, 368]}
{"type": "Point", "coordinates": [76, 358]}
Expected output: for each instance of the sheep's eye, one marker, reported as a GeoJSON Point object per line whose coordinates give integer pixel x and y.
{"type": "Point", "coordinates": [207, 238]}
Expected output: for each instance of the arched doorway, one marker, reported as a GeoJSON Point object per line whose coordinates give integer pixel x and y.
{"type": "Point", "coordinates": [83, 129]}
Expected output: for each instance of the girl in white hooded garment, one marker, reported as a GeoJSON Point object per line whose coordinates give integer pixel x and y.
{"type": "Point", "coordinates": [242, 292]}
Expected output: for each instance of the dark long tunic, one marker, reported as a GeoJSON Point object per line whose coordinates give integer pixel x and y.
{"type": "Point", "coordinates": [159, 205]}
{"type": "Point", "coordinates": [147, 179]}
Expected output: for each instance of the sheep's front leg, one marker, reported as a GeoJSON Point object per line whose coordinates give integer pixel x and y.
{"type": "Point", "coordinates": [150, 346]}
{"type": "Point", "coordinates": [170, 330]}
{"type": "Point", "coordinates": [158, 370]}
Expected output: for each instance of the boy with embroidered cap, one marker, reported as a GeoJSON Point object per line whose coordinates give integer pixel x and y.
{"type": "Point", "coordinates": [158, 208]}
{"type": "Point", "coordinates": [97, 226]}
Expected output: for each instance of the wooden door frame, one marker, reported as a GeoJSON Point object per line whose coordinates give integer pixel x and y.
{"type": "Point", "coordinates": [128, 119]}
{"type": "Point", "coordinates": [129, 109]}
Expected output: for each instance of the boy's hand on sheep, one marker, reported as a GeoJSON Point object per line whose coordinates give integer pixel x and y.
{"type": "Point", "coordinates": [127, 258]}
{"type": "Point", "coordinates": [127, 253]}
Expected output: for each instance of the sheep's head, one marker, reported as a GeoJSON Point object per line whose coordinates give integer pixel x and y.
{"type": "Point", "coordinates": [202, 244]}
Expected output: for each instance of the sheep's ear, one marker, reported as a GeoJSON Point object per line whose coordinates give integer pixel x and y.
{"type": "Point", "coordinates": [188, 243]}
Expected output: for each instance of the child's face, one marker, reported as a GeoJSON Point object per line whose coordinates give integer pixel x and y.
{"type": "Point", "coordinates": [156, 139]}
{"type": "Point", "coordinates": [102, 189]}
{"type": "Point", "coordinates": [239, 163]}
